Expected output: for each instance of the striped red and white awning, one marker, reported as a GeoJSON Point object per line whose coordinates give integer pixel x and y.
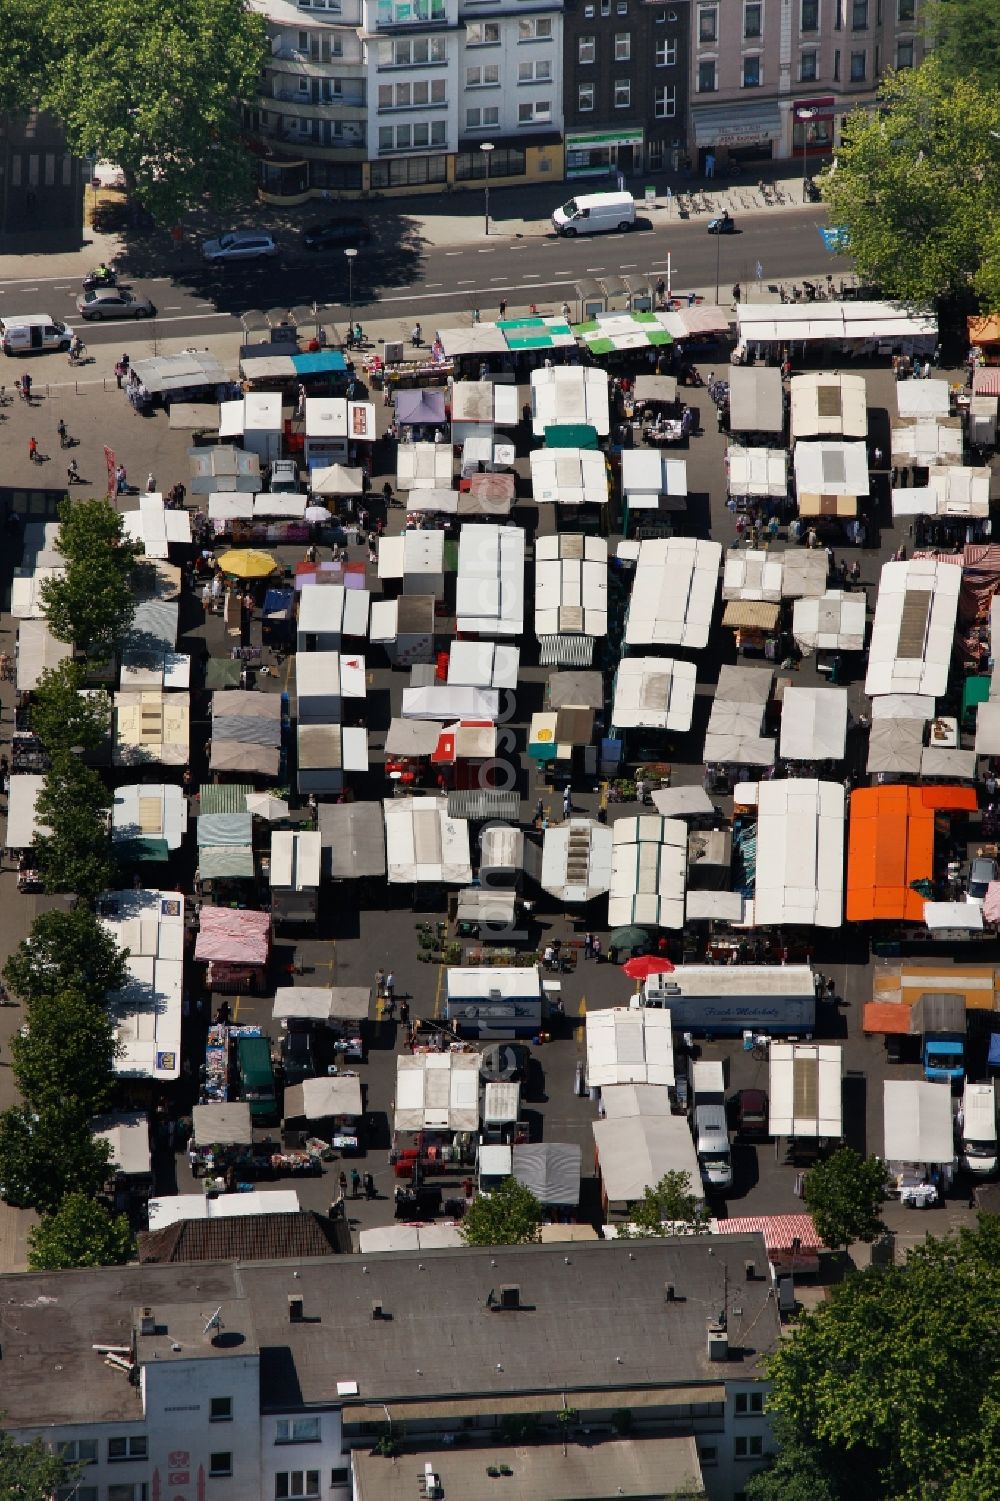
{"type": "Point", "coordinates": [986, 381]}
{"type": "Point", "coordinates": [778, 1230]}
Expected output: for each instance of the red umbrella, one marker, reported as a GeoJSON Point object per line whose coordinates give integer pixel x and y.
{"type": "Point", "coordinates": [645, 965]}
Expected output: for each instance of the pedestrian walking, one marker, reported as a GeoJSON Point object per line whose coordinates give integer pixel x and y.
{"type": "Point", "coordinates": [417, 336]}
{"type": "Point", "coordinates": [355, 1183]}
{"type": "Point", "coordinates": [390, 986]}
{"type": "Point", "coordinates": [121, 480]}
{"type": "Point", "coordinates": [72, 473]}
{"type": "Point", "coordinates": [342, 1185]}
{"type": "Point", "coordinates": [567, 803]}
{"type": "Point", "coordinates": [63, 435]}
{"type": "Point", "coordinates": [736, 291]}
{"type": "Point", "coordinates": [588, 946]}
{"type": "Point", "coordinates": [379, 981]}
{"type": "Point", "coordinates": [33, 450]}
{"type": "Point", "coordinates": [596, 947]}
{"type": "Point", "coordinates": [475, 315]}
{"type": "Point", "coordinates": [404, 1013]}
{"type": "Point", "coordinates": [119, 374]}
{"type": "Point", "coordinates": [151, 483]}
{"type": "Point", "coordinates": [503, 309]}
{"type": "Point", "coordinates": [26, 385]}
{"type": "Point", "coordinates": [369, 1186]}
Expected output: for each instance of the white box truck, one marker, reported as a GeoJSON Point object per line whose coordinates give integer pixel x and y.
{"type": "Point", "coordinates": [709, 1124]}
{"type": "Point", "coordinates": [591, 213]}
{"type": "Point", "coordinates": [979, 1129]}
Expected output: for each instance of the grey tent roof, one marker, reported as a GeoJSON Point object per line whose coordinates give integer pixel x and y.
{"type": "Point", "coordinates": [222, 1124]}
{"type": "Point", "coordinates": [895, 747]}
{"type": "Point", "coordinates": [579, 690]}
{"type": "Point", "coordinates": [353, 839]}
{"type": "Point", "coordinates": [551, 1170]}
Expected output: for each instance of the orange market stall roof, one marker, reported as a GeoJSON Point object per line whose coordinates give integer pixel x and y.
{"type": "Point", "coordinates": [891, 845]}
{"type": "Point", "coordinates": [985, 330]}
{"type": "Point", "coordinates": [886, 1017]}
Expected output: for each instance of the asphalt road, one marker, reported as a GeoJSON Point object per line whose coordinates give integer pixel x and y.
{"type": "Point", "coordinates": [397, 275]}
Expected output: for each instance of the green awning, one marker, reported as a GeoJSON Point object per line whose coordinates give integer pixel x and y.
{"type": "Point", "coordinates": [134, 850]}
{"type": "Point", "coordinates": [223, 797]}
{"type": "Point", "coordinates": [975, 690]}
{"type": "Point", "coordinates": [571, 435]}
{"type": "Point", "coordinates": [226, 864]}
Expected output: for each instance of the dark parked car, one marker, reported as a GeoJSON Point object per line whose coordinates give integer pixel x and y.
{"type": "Point", "coordinates": [337, 233]}
{"type": "Point", "coordinates": [298, 1054]}
{"type": "Point", "coordinates": [751, 1112]}
{"type": "Point", "coordinates": [724, 224]}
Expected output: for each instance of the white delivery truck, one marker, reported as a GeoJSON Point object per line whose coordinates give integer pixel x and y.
{"type": "Point", "coordinates": [593, 212]}
{"type": "Point", "coordinates": [711, 1129]}
{"type": "Point", "coordinates": [979, 1129]}
{"type": "Point", "coordinates": [33, 333]}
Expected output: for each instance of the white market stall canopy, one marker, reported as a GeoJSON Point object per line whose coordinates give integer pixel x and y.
{"type": "Point", "coordinates": [634, 1153]}
{"type": "Point", "coordinates": [756, 399]}
{"type": "Point", "coordinates": [736, 722]}
{"type": "Point", "coordinates": [896, 747]}
{"type": "Point", "coordinates": [336, 479]}
{"type": "Point", "coordinates": [805, 1090]}
{"type": "Point", "coordinates": [648, 478]}
{"type": "Point", "coordinates": [437, 1092]}
{"type": "Point", "coordinates": [914, 628]}
{"type": "Point", "coordinates": [179, 372]}
{"type": "Point", "coordinates": [319, 1099]}
{"type": "Point", "coordinates": [222, 1124]}
{"type": "Point", "coordinates": [424, 466]}
{"type": "Point", "coordinates": [151, 726]}
{"type": "Point", "coordinates": [446, 701]}
{"type": "Point", "coordinates": [654, 693]}
{"type": "Point", "coordinates": [576, 860]}
{"type": "Point", "coordinates": [673, 592]}
{"type": "Point", "coordinates": [38, 651]}
{"type": "Point", "coordinates": [280, 505]}
{"type": "Point", "coordinates": [630, 1045]}
{"type": "Point", "coordinates": [334, 417]}
{"type": "Point", "coordinates": [484, 403]}
{"type": "Point", "coordinates": [224, 469]}
{"type": "Point", "coordinates": [195, 1206]}
{"type": "Point", "coordinates": [917, 1122]}
{"type": "Point", "coordinates": [323, 679]}
{"type": "Point", "coordinates": [489, 590]}
{"type": "Point", "coordinates": [800, 852]}
{"type": "Point", "coordinates": [829, 468]}
{"type": "Point", "coordinates": [152, 816]}
{"type": "Point", "coordinates": [648, 872]}
{"type": "Point", "coordinates": [127, 1134]}
{"type": "Point", "coordinates": [231, 505]}
{"type": "Point", "coordinates": [295, 859]}
{"type": "Point", "coordinates": [682, 802]}
{"type": "Point", "coordinates": [569, 476]}
{"type": "Point", "coordinates": [481, 339]}
{"type": "Point", "coordinates": [155, 528]}
{"type": "Point", "coordinates": [959, 491]}
{"type": "Point", "coordinates": [483, 664]}
{"type": "Point", "coordinates": [923, 398]}
{"type": "Point", "coordinates": [757, 472]}
{"type": "Point", "coordinates": [829, 406]}
{"type": "Point", "coordinates": [22, 826]}
{"type": "Point", "coordinates": [424, 844]}
{"type": "Point", "coordinates": [813, 724]}
{"type": "Point", "coordinates": [752, 574]}
{"type": "Point", "coordinates": [833, 622]}
{"type": "Point", "coordinates": [329, 611]}
{"type": "Point", "coordinates": [988, 728]}
{"type": "Point", "coordinates": [922, 441]}
{"type": "Point", "coordinates": [146, 1014]}
{"type": "Point", "coordinates": [256, 412]}
{"type": "Point", "coordinates": [353, 838]}
{"type": "Point", "coordinates": [568, 395]}
{"type": "Point", "coordinates": [903, 706]}
{"type": "Point", "coordinates": [322, 1003]}
{"type": "Point", "coordinates": [416, 558]}
{"type": "Point", "coordinates": [842, 322]}
{"type": "Point", "coordinates": [571, 585]}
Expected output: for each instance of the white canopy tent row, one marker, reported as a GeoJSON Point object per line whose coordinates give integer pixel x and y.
{"type": "Point", "coordinates": [800, 852]}
{"type": "Point", "coordinates": [327, 614]}
{"type": "Point", "coordinates": [415, 559]}
{"type": "Point", "coordinates": [813, 724]}
{"type": "Point", "coordinates": [478, 406]}
{"type": "Point", "coordinates": [635, 1152]}
{"type": "Point", "coordinates": [654, 693]}
{"type": "Point", "coordinates": [648, 872]}
{"type": "Point", "coordinates": [829, 406]}
{"type": "Point", "coordinates": [757, 473]}
{"type": "Point", "coordinates": [576, 860]}
{"type": "Point", "coordinates": [961, 491]}
{"type": "Point", "coordinates": [920, 442]}
{"type": "Point", "coordinates": [923, 398]}
{"type": "Point", "coordinates": [323, 680]}
{"type": "Point", "coordinates": [437, 1092]}
{"type": "Point", "coordinates": [830, 477]}
{"type": "Point", "coordinates": [630, 1045]}
{"type": "Point", "coordinates": [850, 325]}
{"type": "Point", "coordinates": [425, 844]}
{"type": "Point", "coordinates": [489, 589]}
{"type": "Point", "coordinates": [571, 586]}
{"type": "Point", "coordinates": [424, 466]}
{"type": "Point", "coordinates": [569, 476]}
{"type": "Point", "coordinates": [651, 481]}
{"type": "Point", "coordinates": [805, 1089]}
{"type": "Point", "coordinates": [914, 628]}
{"type": "Point", "coordinates": [752, 574]}
{"type": "Point", "coordinates": [833, 622]}
{"type": "Point", "coordinates": [155, 528]}
{"type": "Point", "coordinates": [483, 664]}
{"type": "Point", "coordinates": [673, 592]}
{"type": "Point", "coordinates": [568, 395]}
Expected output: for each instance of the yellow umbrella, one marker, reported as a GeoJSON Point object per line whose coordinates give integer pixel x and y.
{"type": "Point", "coordinates": [247, 563]}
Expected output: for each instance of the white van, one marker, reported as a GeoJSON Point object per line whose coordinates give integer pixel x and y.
{"type": "Point", "coordinates": [979, 1129]}
{"type": "Point", "coordinates": [593, 212]}
{"type": "Point", "coordinates": [33, 333]}
{"type": "Point", "coordinates": [711, 1128]}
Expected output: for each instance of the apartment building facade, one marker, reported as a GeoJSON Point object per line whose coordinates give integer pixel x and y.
{"type": "Point", "coordinates": [775, 79]}
{"type": "Point", "coordinates": [626, 66]}
{"type": "Point", "coordinates": [400, 96]}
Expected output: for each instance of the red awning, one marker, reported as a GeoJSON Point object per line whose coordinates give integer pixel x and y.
{"type": "Point", "coordinates": [778, 1230]}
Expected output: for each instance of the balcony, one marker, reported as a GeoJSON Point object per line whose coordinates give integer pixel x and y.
{"type": "Point", "coordinates": [332, 107]}
{"type": "Point", "coordinates": [393, 15]}
{"type": "Point", "coordinates": [314, 65]}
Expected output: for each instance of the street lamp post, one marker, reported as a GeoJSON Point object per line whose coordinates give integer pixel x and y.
{"type": "Point", "coordinates": [486, 148]}
{"type": "Point", "coordinates": [350, 295]}
{"type": "Point", "coordinates": [718, 257]}
{"type": "Point", "coordinates": [805, 115]}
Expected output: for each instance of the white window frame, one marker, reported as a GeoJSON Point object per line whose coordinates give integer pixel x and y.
{"type": "Point", "coordinates": [581, 90]}
{"type": "Point", "coordinates": [759, 35]}
{"type": "Point", "coordinates": [623, 46]}
{"type": "Point", "coordinates": [586, 44]}
{"type": "Point", "coordinates": [704, 11]}
{"type": "Point", "coordinates": [290, 1430]}
{"type": "Point", "coordinates": [623, 86]}
{"type": "Point", "coordinates": [707, 62]}
{"type": "Point", "coordinates": [136, 1447]}
{"type": "Point", "coordinates": [70, 1450]}
{"type": "Point", "coordinates": [285, 1485]}
{"type": "Point", "coordinates": [665, 101]}
{"type": "Point", "coordinates": [753, 57]}
{"type": "Point", "coordinates": [668, 47]}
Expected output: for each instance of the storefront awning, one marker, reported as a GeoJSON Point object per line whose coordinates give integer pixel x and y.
{"type": "Point", "coordinates": [736, 126]}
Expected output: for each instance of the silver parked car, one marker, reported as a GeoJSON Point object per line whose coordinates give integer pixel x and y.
{"type": "Point", "coordinates": [240, 245]}
{"type": "Point", "coordinates": [113, 302]}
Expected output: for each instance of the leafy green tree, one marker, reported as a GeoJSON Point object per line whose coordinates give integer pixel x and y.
{"type": "Point", "coordinates": [68, 1047]}
{"type": "Point", "coordinates": [90, 528]}
{"type": "Point", "coordinates": [509, 1216]}
{"type": "Point", "coordinates": [844, 1194]}
{"type": "Point", "coordinates": [67, 951]}
{"type": "Point", "coordinates": [965, 35]}
{"type": "Point", "coordinates": [80, 1233]}
{"type": "Point", "coordinates": [668, 1208]}
{"type": "Point", "coordinates": [92, 603]}
{"type": "Point", "coordinates": [158, 89]}
{"type": "Point", "coordinates": [916, 185]}
{"type": "Point", "coordinates": [75, 855]}
{"type": "Point", "coordinates": [31, 1472]}
{"type": "Point", "coordinates": [798, 1473]}
{"type": "Point", "coordinates": [62, 716]}
{"type": "Point", "coordinates": [894, 1381]}
{"type": "Point", "coordinates": [45, 1157]}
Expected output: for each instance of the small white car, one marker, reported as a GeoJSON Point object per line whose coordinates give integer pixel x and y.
{"type": "Point", "coordinates": [240, 245]}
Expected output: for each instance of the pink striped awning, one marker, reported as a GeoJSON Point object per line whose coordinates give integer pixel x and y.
{"type": "Point", "coordinates": [778, 1230]}
{"type": "Point", "coordinates": [986, 381]}
{"type": "Point", "coordinates": [233, 936]}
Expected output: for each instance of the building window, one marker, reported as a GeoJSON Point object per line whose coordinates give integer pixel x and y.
{"type": "Point", "coordinates": [749, 1402]}
{"type": "Point", "coordinates": [751, 72]}
{"type": "Point", "coordinates": [297, 1431]}
{"type": "Point", "coordinates": [666, 54]}
{"type": "Point", "coordinates": [78, 1451]}
{"type": "Point", "coordinates": [585, 96]}
{"type": "Point", "coordinates": [76, 1493]}
{"type": "Point", "coordinates": [539, 71]}
{"type": "Point", "coordinates": [859, 15]}
{"type": "Point", "coordinates": [505, 161]}
{"type": "Point", "coordinates": [749, 1447]}
{"type": "Point", "coordinates": [534, 29]}
{"type": "Point", "coordinates": [809, 15]}
{"type": "Point", "coordinates": [137, 1491]}
{"type": "Point", "coordinates": [482, 119]}
{"type": "Point", "coordinates": [487, 77]}
{"type": "Point", "coordinates": [296, 1483]}
{"type": "Point", "coordinates": [623, 93]}
{"type": "Point", "coordinates": [665, 102]}
{"type": "Point", "coordinates": [706, 78]}
{"type": "Point", "coordinates": [127, 1448]}
{"type": "Point", "coordinates": [836, 65]}
{"type": "Point", "coordinates": [538, 113]}
{"type": "Point", "coordinates": [622, 7]}
{"type": "Point", "coordinates": [605, 7]}
{"type": "Point", "coordinates": [906, 10]}
{"type": "Point", "coordinates": [586, 49]}
{"type": "Point", "coordinates": [412, 53]}
{"type": "Point", "coordinates": [482, 34]}
{"type": "Point", "coordinates": [807, 67]}
{"type": "Point", "coordinates": [708, 24]}
{"type": "Point", "coordinates": [220, 1410]}
{"type": "Point", "coordinates": [752, 18]}
{"type": "Point", "coordinates": [220, 1463]}
{"type": "Point", "coordinates": [859, 67]}
{"type": "Point", "coordinates": [623, 46]}
{"type": "Point", "coordinates": [708, 1455]}
{"type": "Point", "coordinates": [904, 55]}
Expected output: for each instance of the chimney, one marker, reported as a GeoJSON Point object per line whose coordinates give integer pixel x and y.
{"type": "Point", "coordinates": [376, 1310]}
{"type": "Point", "coordinates": [749, 1270]}
{"type": "Point", "coordinates": [718, 1343]}
{"type": "Point", "coordinates": [510, 1295]}
{"type": "Point", "coordinates": [295, 1306]}
{"type": "Point", "coordinates": [669, 1292]}
{"type": "Point", "coordinates": [147, 1323]}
